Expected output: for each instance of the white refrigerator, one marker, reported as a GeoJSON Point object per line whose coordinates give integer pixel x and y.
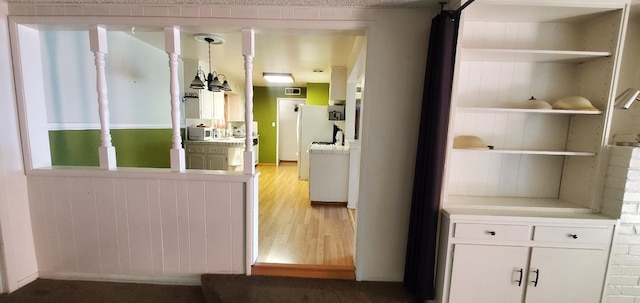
{"type": "Point", "coordinates": [313, 126]}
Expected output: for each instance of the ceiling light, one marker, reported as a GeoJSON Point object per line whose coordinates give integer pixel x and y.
{"type": "Point", "coordinates": [625, 99]}
{"type": "Point", "coordinates": [278, 77]}
{"type": "Point", "coordinates": [213, 83]}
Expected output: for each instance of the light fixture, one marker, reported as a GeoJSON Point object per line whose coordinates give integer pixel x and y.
{"type": "Point", "coordinates": [278, 77]}
{"type": "Point", "coordinates": [624, 100]}
{"type": "Point", "coordinates": [213, 83]}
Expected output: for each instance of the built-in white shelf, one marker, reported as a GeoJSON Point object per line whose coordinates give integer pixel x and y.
{"type": "Point", "coordinates": [531, 152]}
{"type": "Point", "coordinates": [530, 55]}
{"type": "Point", "coordinates": [514, 203]}
{"type": "Point", "coordinates": [528, 111]}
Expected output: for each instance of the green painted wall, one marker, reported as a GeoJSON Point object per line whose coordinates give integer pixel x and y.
{"type": "Point", "coordinates": [134, 147]}
{"type": "Point", "coordinates": [150, 147]}
{"type": "Point", "coordinates": [265, 111]}
{"type": "Point", "coordinates": [318, 93]}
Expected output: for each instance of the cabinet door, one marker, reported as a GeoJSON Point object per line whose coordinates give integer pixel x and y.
{"type": "Point", "coordinates": [566, 275]}
{"type": "Point", "coordinates": [217, 162]}
{"type": "Point", "coordinates": [196, 161]}
{"type": "Point", "coordinates": [218, 105]}
{"type": "Point", "coordinates": [488, 274]}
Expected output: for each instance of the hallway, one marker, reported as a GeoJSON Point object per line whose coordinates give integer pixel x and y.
{"type": "Point", "coordinates": [291, 230]}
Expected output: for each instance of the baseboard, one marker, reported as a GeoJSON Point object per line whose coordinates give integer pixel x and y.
{"type": "Point", "coordinates": [338, 272]}
{"type": "Point", "coordinates": [26, 280]}
{"type": "Point", "coordinates": [191, 280]}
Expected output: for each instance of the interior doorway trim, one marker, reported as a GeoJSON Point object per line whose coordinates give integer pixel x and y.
{"type": "Point", "coordinates": [279, 102]}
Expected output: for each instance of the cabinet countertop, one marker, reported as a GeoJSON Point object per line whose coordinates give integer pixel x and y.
{"type": "Point", "coordinates": [328, 149]}
{"type": "Point", "coordinates": [520, 215]}
{"type": "Point", "coordinates": [233, 142]}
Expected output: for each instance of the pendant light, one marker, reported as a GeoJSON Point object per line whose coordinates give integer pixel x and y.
{"type": "Point", "coordinates": [212, 79]}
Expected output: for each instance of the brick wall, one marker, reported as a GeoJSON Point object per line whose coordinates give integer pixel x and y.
{"type": "Point", "coordinates": [622, 192]}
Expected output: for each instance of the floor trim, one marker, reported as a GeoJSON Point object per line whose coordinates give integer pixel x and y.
{"type": "Point", "coordinates": [337, 272]}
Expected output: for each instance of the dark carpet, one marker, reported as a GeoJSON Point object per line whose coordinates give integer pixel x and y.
{"type": "Point", "coordinates": [57, 291]}
{"type": "Point", "coordinates": [242, 288]}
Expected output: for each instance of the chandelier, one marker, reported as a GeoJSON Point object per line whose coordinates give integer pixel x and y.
{"type": "Point", "coordinates": [212, 79]}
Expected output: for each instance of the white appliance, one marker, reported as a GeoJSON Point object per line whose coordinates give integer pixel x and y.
{"type": "Point", "coordinates": [313, 126]}
{"type": "Point", "coordinates": [200, 133]}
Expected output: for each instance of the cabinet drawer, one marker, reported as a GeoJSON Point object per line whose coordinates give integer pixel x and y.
{"type": "Point", "coordinates": [577, 235]}
{"type": "Point", "coordinates": [492, 232]}
{"type": "Point", "coordinates": [217, 150]}
{"type": "Point", "coordinates": [196, 149]}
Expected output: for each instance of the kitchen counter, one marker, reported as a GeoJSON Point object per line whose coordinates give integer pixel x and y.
{"type": "Point", "coordinates": [328, 173]}
{"type": "Point", "coordinates": [232, 142]}
{"type": "Point", "coordinates": [328, 149]}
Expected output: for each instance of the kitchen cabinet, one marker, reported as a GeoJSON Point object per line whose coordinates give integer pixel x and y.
{"type": "Point", "coordinates": [199, 105]}
{"type": "Point", "coordinates": [204, 155]}
{"type": "Point", "coordinates": [217, 154]}
{"type": "Point", "coordinates": [218, 105]}
{"type": "Point", "coordinates": [523, 257]}
{"type": "Point", "coordinates": [338, 85]}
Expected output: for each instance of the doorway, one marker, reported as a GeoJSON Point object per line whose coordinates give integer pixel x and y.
{"type": "Point", "coordinates": [296, 237]}
{"type": "Point", "coordinates": [287, 148]}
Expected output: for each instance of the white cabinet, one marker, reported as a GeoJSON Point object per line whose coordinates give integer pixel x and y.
{"type": "Point", "coordinates": [566, 275]}
{"type": "Point", "coordinates": [483, 273]}
{"type": "Point", "coordinates": [200, 107]}
{"type": "Point", "coordinates": [218, 105]}
{"type": "Point", "coordinates": [510, 257]}
{"type": "Point", "coordinates": [338, 86]}
{"type": "Point", "coordinates": [531, 202]}
{"type": "Point", "coordinates": [501, 274]}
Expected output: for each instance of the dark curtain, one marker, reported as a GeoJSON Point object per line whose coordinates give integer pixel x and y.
{"type": "Point", "coordinates": [419, 269]}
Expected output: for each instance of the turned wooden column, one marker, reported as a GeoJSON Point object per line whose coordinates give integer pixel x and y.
{"type": "Point", "coordinates": [172, 47]}
{"type": "Point", "coordinates": [107, 153]}
{"type": "Point", "coordinates": [248, 50]}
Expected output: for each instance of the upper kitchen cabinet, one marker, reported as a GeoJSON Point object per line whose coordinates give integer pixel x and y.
{"type": "Point", "coordinates": [509, 51]}
{"type": "Point", "coordinates": [338, 86]}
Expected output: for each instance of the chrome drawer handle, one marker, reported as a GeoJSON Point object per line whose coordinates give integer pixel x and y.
{"type": "Point", "coordinates": [491, 232]}
{"type": "Point", "coordinates": [573, 236]}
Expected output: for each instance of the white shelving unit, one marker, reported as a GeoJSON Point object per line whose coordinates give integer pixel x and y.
{"type": "Point", "coordinates": [535, 196]}
{"type": "Point", "coordinates": [509, 51]}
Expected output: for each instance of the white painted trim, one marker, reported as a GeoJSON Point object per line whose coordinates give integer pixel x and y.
{"type": "Point", "coordinates": [96, 126]}
{"type": "Point", "coordinates": [25, 48]}
{"type": "Point", "coordinates": [278, 101]}
{"type": "Point", "coordinates": [28, 279]}
{"type": "Point", "coordinates": [193, 280]}
{"type": "Point", "coordinates": [143, 173]}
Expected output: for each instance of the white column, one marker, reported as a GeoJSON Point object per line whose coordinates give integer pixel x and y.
{"type": "Point", "coordinates": [248, 50]}
{"type": "Point", "coordinates": [172, 47]}
{"type": "Point", "coordinates": [251, 220]}
{"type": "Point", "coordinates": [107, 153]}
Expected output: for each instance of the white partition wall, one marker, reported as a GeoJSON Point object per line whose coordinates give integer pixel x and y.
{"type": "Point", "coordinates": [137, 227]}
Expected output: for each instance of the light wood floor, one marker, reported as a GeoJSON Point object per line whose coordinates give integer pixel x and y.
{"type": "Point", "coordinates": [291, 230]}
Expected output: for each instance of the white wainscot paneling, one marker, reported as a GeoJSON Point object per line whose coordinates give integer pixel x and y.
{"type": "Point", "coordinates": [137, 229]}
{"type": "Point", "coordinates": [490, 174]}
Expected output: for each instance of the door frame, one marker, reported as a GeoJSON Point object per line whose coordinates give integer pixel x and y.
{"type": "Point", "coordinates": [278, 101]}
